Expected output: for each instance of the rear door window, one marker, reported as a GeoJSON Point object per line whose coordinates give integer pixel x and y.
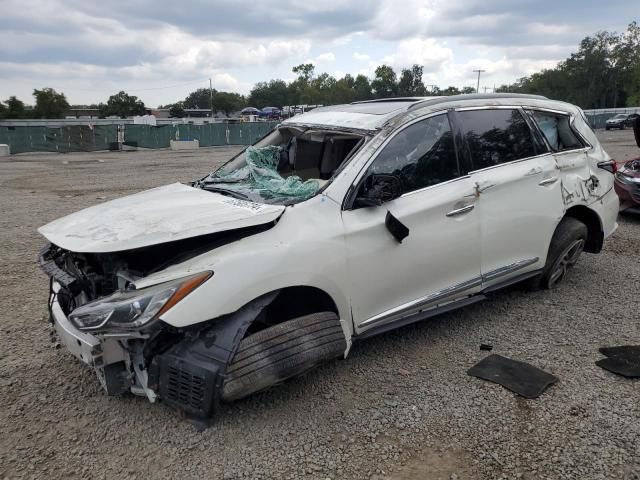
{"type": "Point", "coordinates": [495, 136]}
{"type": "Point", "coordinates": [557, 130]}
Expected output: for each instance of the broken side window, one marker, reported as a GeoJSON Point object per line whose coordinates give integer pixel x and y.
{"type": "Point", "coordinates": [557, 130]}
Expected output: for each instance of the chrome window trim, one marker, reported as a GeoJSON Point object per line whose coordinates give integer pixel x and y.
{"type": "Point", "coordinates": [572, 118]}
{"type": "Point", "coordinates": [433, 186]}
{"type": "Point", "coordinates": [511, 163]}
{"type": "Point", "coordinates": [383, 145]}
{"type": "Point", "coordinates": [521, 109]}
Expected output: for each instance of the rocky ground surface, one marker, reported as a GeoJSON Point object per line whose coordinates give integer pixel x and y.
{"type": "Point", "coordinates": [400, 407]}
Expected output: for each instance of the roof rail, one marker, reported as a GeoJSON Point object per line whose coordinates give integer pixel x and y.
{"type": "Point", "coordinates": [394, 99]}
{"type": "Point", "coordinates": [471, 96]}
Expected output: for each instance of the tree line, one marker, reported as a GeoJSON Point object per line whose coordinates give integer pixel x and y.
{"type": "Point", "coordinates": [603, 73]}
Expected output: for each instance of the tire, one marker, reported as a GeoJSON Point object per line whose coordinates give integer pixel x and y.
{"type": "Point", "coordinates": [606, 128]}
{"type": "Point", "coordinates": [566, 245]}
{"type": "Point", "coordinates": [286, 350]}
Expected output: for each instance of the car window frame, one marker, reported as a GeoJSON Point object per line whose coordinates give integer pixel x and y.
{"type": "Point", "coordinates": [349, 200]}
{"type": "Point", "coordinates": [585, 144]}
{"type": "Point", "coordinates": [534, 134]}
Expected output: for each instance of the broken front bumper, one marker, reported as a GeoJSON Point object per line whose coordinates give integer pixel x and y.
{"type": "Point", "coordinates": [113, 364]}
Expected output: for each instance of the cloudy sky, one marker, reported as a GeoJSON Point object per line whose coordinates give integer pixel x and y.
{"type": "Point", "coordinates": [160, 50]}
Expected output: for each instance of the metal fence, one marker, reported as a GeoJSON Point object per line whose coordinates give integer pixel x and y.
{"type": "Point", "coordinates": [598, 118]}
{"type": "Point", "coordinates": [84, 138]}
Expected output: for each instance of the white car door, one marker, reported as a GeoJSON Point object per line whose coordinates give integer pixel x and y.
{"type": "Point", "coordinates": [518, 187]}
{"type": "Point", "coordinates": [393, 277]}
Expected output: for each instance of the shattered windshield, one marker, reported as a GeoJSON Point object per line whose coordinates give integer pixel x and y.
{"type": "Point", "coordinates": [288, 166]}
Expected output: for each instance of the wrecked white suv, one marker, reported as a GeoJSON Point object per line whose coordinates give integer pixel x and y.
{"type": "Point", "coordinates": [340, 224]}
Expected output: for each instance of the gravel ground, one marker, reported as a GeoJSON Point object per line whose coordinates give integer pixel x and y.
{"type": "Point", "coordinates": [400, 407]}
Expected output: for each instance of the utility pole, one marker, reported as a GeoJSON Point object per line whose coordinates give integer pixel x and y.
{"type": "Point", "coordinates": [478, 86]}
{"type": "Point", "coordinates": [211, 97]}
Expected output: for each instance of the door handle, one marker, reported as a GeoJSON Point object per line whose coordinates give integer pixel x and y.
{"type": "Point", "coordinates": [533, 171]}
{"type": "Point", "coordinates": [461, 210]}
{"type": "Point", "coordinates": [548, 181]}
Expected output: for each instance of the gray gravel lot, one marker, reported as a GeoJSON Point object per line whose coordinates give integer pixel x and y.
{"type": "Point", "coordinates": [400, 407]}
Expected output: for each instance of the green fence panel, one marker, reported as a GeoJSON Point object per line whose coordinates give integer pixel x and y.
{"type": "Point", "coordinates": [84, 138]}
{"type": "Point", "coordinates": [148, 136]}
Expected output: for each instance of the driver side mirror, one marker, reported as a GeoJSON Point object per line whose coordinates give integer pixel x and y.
{"type": "Point", "coordinates": [377, 189]}
{"type": "Point", "coordinates": [636, 130]}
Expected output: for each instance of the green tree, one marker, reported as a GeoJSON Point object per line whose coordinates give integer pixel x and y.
{"type": "Point", "coordinates": [602, 73]}
{"type": "Point", "coordinates": [228, 102]}
{"type": "Point", "coordinates": [275, 93]}
{"type": "Point", "coordinates": [123, 105]}
{"type": "Point", "coordinates": [385, 84]}
{"type": "Point", "coordinates": [304, 71]}
{"type": "Point", "coordinates": [410, 83]}
{"type": "Point", "coordinates": [201, 98]}
{"type": "Point", "coordinates": [176, 110]}
{"type": "Point", "coordinates": [362, 88]}
{"type": "Point", "coordinates": [450, 91]}
{"type": "Point", "coordinates": [15, 108]}
{"type": "Point", "coordinates": [49, 103]}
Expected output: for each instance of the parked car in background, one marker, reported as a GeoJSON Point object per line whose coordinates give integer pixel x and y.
{"type": "Point", "coordinates": [627, 184]}
{"type": "Point", "coordinates": [272, 113]}
{"type": "Point", "coordinates": [621, 121]}
{"type": "Point", "coordinates": [250, 111]}
{"type": "Point", "coordinates": [340, 224]}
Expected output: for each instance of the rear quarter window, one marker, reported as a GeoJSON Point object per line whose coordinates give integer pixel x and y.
{"type": "Point", "coordinates": [557, 130]}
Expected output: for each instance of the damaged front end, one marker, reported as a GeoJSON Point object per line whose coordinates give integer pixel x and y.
{"type": "Point", "coordinates": [107, 322]}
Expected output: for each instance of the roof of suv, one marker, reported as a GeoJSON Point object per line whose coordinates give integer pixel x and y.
{"type": "Point", "coordinates": [373, 114]}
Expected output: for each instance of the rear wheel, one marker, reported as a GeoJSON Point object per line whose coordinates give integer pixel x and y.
{"type": "Point", "coordinates": [286, 350]}
{"type": "Point", "coordinates": [567, 244]}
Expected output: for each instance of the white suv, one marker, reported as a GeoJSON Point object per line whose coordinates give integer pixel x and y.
{"type": "Point", "coordinates": [340, 224]}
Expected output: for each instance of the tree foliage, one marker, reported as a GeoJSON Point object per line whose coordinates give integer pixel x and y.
{"type": "Point", "coordinates": [603, 73]}
{"type": "Point", "coordinates": [176, 110]}
{"type": "Point", "coordinates": [49, 103]}
{"type": "Point", "coordinates": [123, 105]}
{"type": "Point", "coordinates": [14, 108]}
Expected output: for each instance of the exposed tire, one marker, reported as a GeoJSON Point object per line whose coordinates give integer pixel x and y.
{"type": "Point", "coordinates": [286, 350]}
{"type": "Point", "coordinates": [567, 244]}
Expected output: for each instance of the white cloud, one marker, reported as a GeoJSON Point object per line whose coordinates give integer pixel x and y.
{"type": "Point", "coordinates": [361, 57]}
{"type": "Point", "coordinates": [328, 57]}
{"type": "Point", "coordinates": [426, 52]}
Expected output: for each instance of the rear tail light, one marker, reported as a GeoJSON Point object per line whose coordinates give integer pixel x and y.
{"type": "Point", "coordinates": [608, 165]}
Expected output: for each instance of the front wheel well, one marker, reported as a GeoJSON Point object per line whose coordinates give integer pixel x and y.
{"type": "Point", "coordinates": [590, 218]}
{"type": "Point", "coordinates": [294, 302]}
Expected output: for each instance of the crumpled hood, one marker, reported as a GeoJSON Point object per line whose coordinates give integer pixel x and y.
{"type": "Point", "coordinates": [159, 215]}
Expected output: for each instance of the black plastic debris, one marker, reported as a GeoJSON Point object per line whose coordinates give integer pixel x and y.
{"type": "Point", "coordinates": [623, 360]}
{"type": "Point", "coordinates": [486, 347]}
{"type": "Point", "coordinates": [519, 377]}
{"type": "Point", "coordinates": [398, 229]}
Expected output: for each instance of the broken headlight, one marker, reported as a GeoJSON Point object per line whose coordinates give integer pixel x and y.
{"type": "Point", "coordinates": [132, 309]}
